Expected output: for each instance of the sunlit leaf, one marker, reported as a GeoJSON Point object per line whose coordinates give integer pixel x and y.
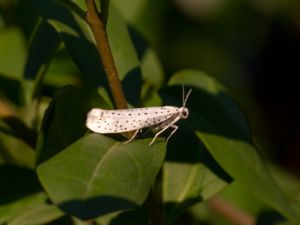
{"type": "Point", "coordinates": [97, 175]}
{"type": "Point", "coordinates": [7, 211]}
{"type": "Point", "coordinates": [32, 209]}
{"type": "Point", "coordinates": [12, 48]}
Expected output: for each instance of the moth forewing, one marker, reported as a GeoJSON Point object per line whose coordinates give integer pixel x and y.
{"type": "Point", "coordinates": [123, 120]}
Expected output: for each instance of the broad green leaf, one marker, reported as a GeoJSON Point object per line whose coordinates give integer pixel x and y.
{"type": "Point", "coordinates": [14, 151]}
{"type": "Point", "coordinates": [12, 58]}
{"type": "Point", "coordinates": [32, 209]}
{"type": "Point", "coordinates": [64, 119]}
{"type": "Point", "coordinates": [152, 72]}
{"type": "Point", "coordinates": [222, 128]}
{"type": "Point", "coordinates": [98, 175]}
{"type": "Point", "coordinates": [8, 210]}
{"type": "Point", "coordinates": [145, 15]}
{"type": "Point", "coordinates": [40, 214]}
{"type": "Point", "coordinates": [219, 105]}
{"type": "Point", "coordinates": [124, 54]}
{"type": "Point", "coordinates": [190, 174]}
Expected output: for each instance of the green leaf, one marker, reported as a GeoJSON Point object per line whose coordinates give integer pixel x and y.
{"type": "Point", "coordinates": [152, 71]}
{"type": "Point", "coordinates": [64, 119]}
{"type": "Point", "coordinates": [40, 214]}
{"type": "Point", "coordinates": [80, 43]}
{"type": "Point", "coordinates": [216, 103]}
{"type": "Point", "coordinates": [40, 54]}
{"type": "Point", "coordinates": [190, 174]}
{"type": "Point", "coordinates": [97, 175]}
{"type": "Point", "coordinates": [77, 6]}
{"type": "Point", "coordinates": [12, 58]}
{"type": "Point", "coordinates": [14, 151]}
{"type": "Point", "coordinates": [223, 129]}
{"type": "Point", "coordinates": [37, 63]}
{"type": "Point", "coordinates": [123, 51]}
{"type": "Point", "coordinates": [32, 209]}
{"type": "Point", "coordinates": [104, 8]}
{"type": "Point", "coordinates": [9, 210]}
{"type": "Point", "coordinates": [76, 36]}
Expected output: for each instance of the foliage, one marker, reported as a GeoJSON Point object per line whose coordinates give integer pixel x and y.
{"type": "Point", "coordinates": [54, 170]}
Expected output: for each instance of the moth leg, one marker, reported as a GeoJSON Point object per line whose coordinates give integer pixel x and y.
{"type": "Point", "coordinates": [165, 128]}
{"type": "Point", "coordinates": [173, 132]}
{"type": "Point", "coordinates": [132, 137]}
{"type": "Point", "coordinates": [158, 133]}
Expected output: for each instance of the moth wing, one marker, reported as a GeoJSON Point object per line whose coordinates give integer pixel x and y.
{"type": "Point", "coordinates": [123, 120]}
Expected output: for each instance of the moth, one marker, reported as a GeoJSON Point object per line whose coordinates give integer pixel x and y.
{"type": "Point", "coordinates": [123, 120]}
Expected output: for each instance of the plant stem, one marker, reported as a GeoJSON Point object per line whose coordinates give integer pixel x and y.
{"type": "Point", "coordinates": [98, 27]}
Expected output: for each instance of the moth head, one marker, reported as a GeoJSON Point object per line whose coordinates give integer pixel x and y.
{"type": "Point", "coordinates": [184, 112]}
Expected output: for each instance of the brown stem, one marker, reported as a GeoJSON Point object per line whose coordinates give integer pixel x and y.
{"type": "Point", "coordinates": [230, 212]}
{"type": "Point", "coordinates": [98, 27]}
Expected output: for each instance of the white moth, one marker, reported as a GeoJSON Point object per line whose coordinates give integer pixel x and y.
{"type": "Point", "coordinates": [124, 120]}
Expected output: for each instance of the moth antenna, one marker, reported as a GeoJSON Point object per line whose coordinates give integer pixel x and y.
{"type": "Point", "coordinates": [183, 94]}
{"type": "Point", "coordinates": [186, 97]}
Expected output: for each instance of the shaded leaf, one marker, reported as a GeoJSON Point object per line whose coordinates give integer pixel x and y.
{"type": "Point", "coordinates": [37, 63]}
{"type": "Point", "coordinates": [271, 218]}
{"type": "Point", "coordinates": [10, 88]}
{"type": "Point", "coordinates": [80, 43]}
{"type": "Point", "coordinates": [223, 130]}
{"type": "Point", "coordinates": [40, 53]}
{"type": "Point", "coordinates": [190, 175]}
{"type": "Point", "coordinates": [77, 37]}
{"type": "Point", "coordinates": [104, 8]}
{"type": "Point", "coordinates": [132, 217]}
{"type": "Point", "coordinates": [97, 175]}
{"type": "Point", "coordinates": [64, 120]}
{"type": "Point", "coordinates": [17, 183]}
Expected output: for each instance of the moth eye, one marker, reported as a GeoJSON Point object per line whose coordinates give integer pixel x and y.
{"type": "Point", "coordinates": [185, 112]}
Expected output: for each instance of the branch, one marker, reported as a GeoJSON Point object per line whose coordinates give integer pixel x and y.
{"type": "Point", "coordinates": [98, 27]}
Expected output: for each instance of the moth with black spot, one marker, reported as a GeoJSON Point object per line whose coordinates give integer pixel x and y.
{"type": "Point", "coordinates": [123, 120]}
